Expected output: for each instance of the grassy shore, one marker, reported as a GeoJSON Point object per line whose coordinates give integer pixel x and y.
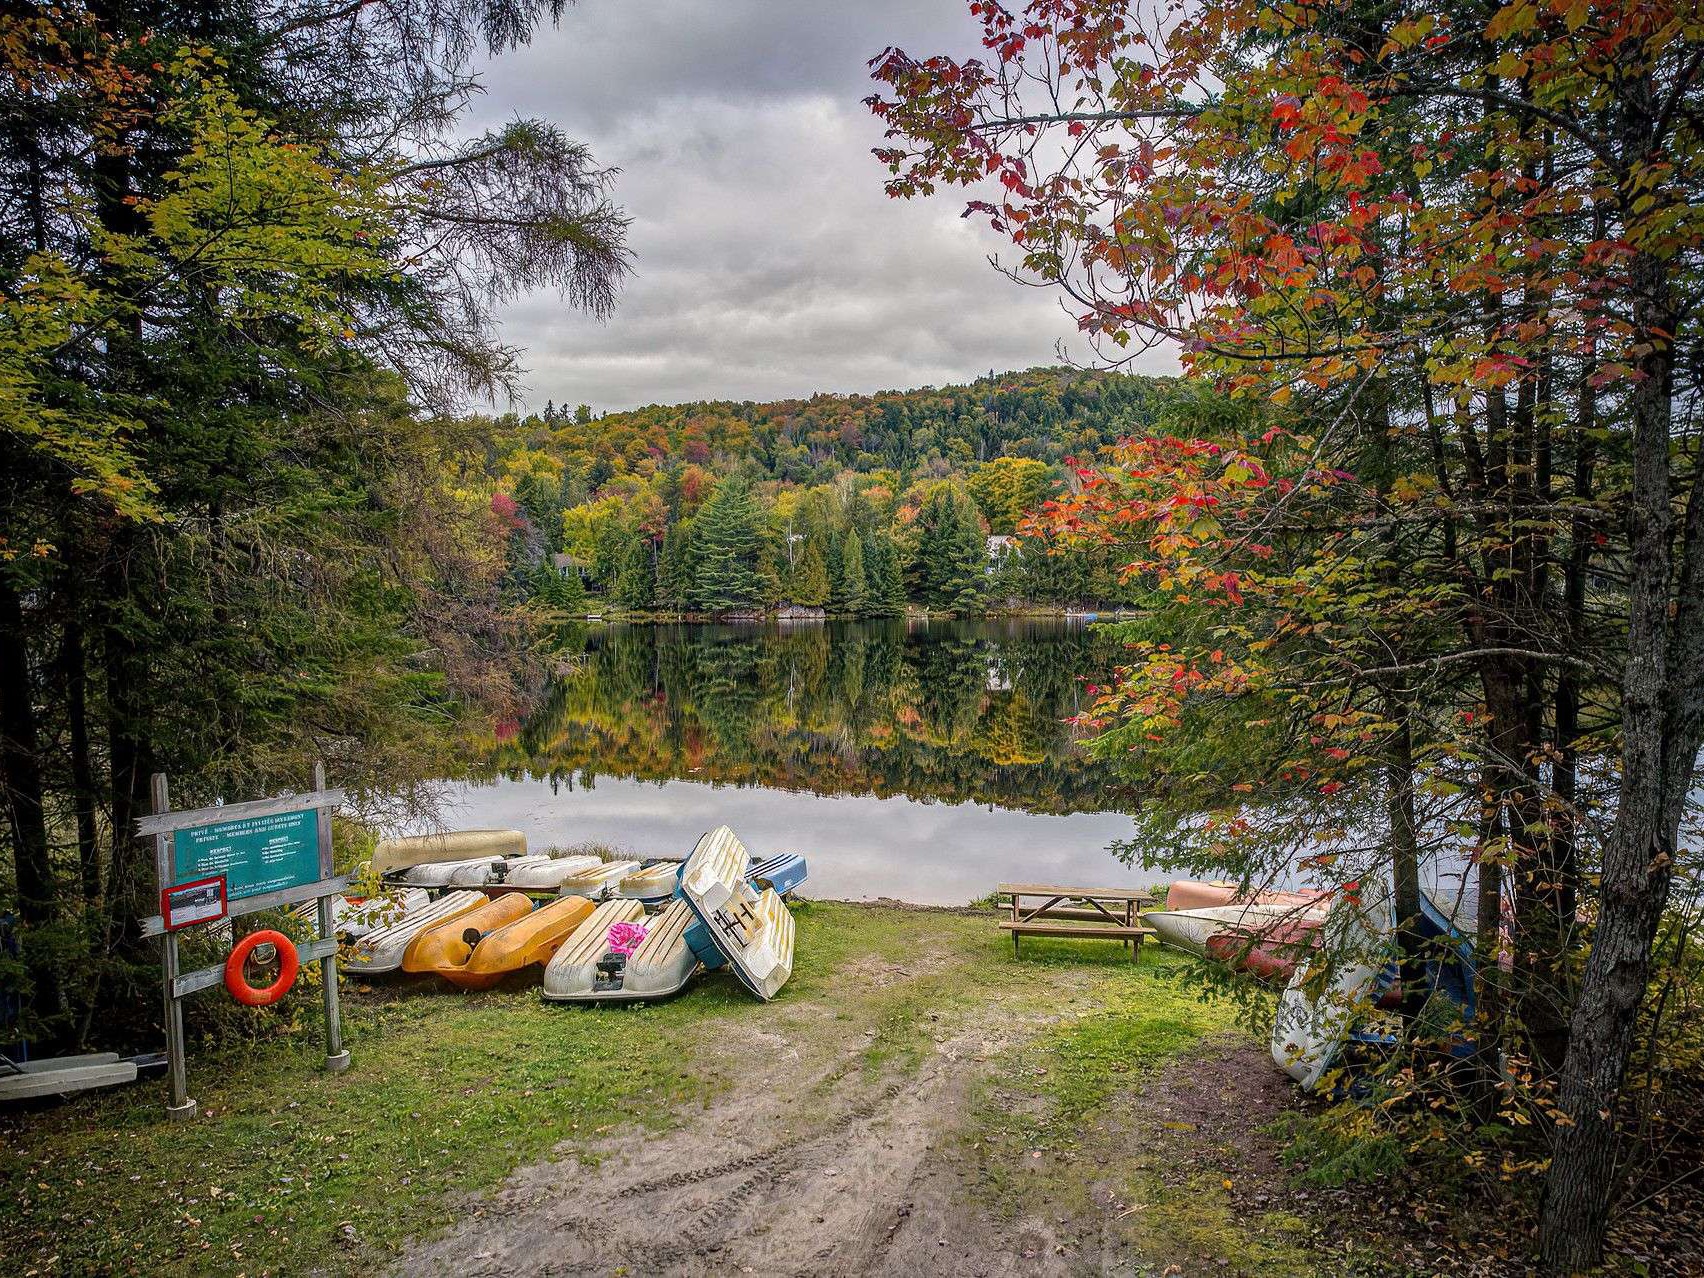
{"type": "Point", "coordinates": [291, 1169]}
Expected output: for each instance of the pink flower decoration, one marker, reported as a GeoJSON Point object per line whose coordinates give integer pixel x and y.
{"type": "Point", "coordinates": [624, 938]}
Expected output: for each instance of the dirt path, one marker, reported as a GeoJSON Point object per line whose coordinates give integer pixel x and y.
{"type": "Point", "coordinates": [815, 1164]}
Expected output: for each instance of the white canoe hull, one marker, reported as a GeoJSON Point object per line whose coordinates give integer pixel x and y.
{"type": "Point", "coordinates": [1190, 930]}
{"type": "Point", "coordinates": [1308, 1031]}
{"type": "Point", "coordinates": [598, 879]}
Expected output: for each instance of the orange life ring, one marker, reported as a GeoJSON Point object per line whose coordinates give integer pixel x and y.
{"type": "Point", "coordinates": [288, 965]}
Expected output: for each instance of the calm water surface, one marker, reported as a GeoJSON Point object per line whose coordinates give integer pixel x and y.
{"type": "Point", "coordinates": [923, 762]}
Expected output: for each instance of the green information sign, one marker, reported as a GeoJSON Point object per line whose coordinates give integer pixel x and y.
{"type": "Point", "coordinates": [257, 854]}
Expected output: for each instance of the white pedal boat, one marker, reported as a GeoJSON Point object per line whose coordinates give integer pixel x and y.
{"type": "Point", "coordinates": [1314, 1019]}
{"type": "Point", "coordinates": [547, 873]}
{"type": "Point", "coordinates": [390, 855]}
{"type": "Point", "coordinates": [585, 946]}
{"type": "Point", "coordinates": [752, 930]}
{"type": "Point", "coordinates": [651, 882]}
{"type": "Point", "coordinates": [382, 950]}
{"type": "Point", "coordinates": [662, 965]}
{"type": "Point", "coordinates": [596, 879]}
{"type": "Point", "coordinates": [439, 874]}
{"type": "Point", "coordinates": [1190, 930]}
{"type": "Point", "coordinates": [498, 871]}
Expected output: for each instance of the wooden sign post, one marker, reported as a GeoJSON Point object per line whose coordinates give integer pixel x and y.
{"type": "Point", "coordinates": [235, 859]}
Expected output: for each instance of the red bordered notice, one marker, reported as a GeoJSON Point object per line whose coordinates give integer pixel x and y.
{"type": "Point", "coordinates": [199, 901]}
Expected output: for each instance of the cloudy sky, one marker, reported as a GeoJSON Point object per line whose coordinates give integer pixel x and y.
{"type": "Point", "coordinates": [769, 262]}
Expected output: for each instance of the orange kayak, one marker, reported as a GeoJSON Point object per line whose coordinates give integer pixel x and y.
{"type": "Point", "coordinates": [532, 938]}
{"type": "Point", "coordinates": [446, 945]}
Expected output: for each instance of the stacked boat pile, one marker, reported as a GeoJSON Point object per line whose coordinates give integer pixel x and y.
{"type": "Point", "coordinates": [473, 906]}
{"type": "Point", "coordinates": [1335, 953]}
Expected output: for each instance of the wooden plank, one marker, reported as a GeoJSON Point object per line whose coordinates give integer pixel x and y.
{"type": "Point", "coordinates": [1086, 893]}
{"type": "Point", "coordinates": [166, 822]}
{"type": "Point", "coordinates": [207, 977]}
{"type": "Point", "coordinates": [77, 1078]}
{"type": "Point", "coordinates": [155, 925]}
{"type": "Point", "coordinates": [1110, 932]}
{"type": "Point", "coordinates": [1065, 912]}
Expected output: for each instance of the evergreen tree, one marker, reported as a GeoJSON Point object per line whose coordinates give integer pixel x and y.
{"type": "Point", "coordinates": [887, 583]}
{"type": "Point", "coordinates": [563, 591]}
{"type": "Point", "coordinates": [951, 565]}
{"type": "Point", "coordinates": [674, 574]}
{"type": "Point", "coordinates": [853, 598]}
{"type": "Point", "coordinates": [636, 580]}
{"type": "Point", "coordinates": [728, 550]}
{"type": "Point", "coordinates": [808, 581]}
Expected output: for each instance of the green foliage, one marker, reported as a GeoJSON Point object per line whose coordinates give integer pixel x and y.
{"type": "Point", "coordinates": [852, 597]}
{"type": "Point", "coordinates": [950, 566]}
{"type": "Point", "coordinates": [728, 548]}
{"type": "Point", "coordinates": [636, 582]}
{"type": "Point", "coordinates": [808, 580]}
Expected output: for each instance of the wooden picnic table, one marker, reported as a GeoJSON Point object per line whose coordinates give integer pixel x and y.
{"type": "Point", "coordinates": [1109, 914]}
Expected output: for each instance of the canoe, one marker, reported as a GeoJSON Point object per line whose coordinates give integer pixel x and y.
{"type": "Point", "coordinates": [662, 965]}
{"type": "Point", "coordinates": [532, 938]}
{"type": "Point", "coordinates": [546, 874]}
{"type": "Point", "coordinates": [437, 874]}
{"type": "Point", "coordinates": [1196, 894]}
{"type": "Point", "coordinates": [784, 872]}
{"type": "Point", "coordinates": [1337, 986]}
{"type": "Point", "coordinates": [587, 944]}
{"type": "Point", "coordinates": [452, 845]}
{"type": "Point", "coordinates": [1269, 953]}
{"type": "Point", "coordinates": [650, 882]}
{"type": "Point", "coordinates": [446, 944]}
{"type": "Point", "coordinates": [1190, 930]}
{"type": "Point", "coordinates": [751, 929]}
{"type": "Point", "coordinates": [382, 950]}
{"type": "Point", "coordinates": [596, 879]}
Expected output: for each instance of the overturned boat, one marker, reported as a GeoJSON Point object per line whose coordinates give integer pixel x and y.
{"type": "Point", "coordinates": [441, 874]}
{"type": "Point", "coordinates": [655, 882]}
{"type": "Point", "coordinates": [597, 879]}
{"type": "Point", "coordinates": [478, 961]}
{"type": "Point", "coordinates": [1191, 930]}
{"type": "Point", "coordinates": [382, 950]}
{"type": "Point", "coordinates": [661, 964]}
{"type": "Point", "coordinates": [446, 944]}
{"type": "Point", "coordinates": [547, 874]}
{"type": "Point", "coordinates": [751, 930]}
{"type": "Point", "coordinates": [391, 856]}
{"type": "Point", "coordinates": [587, 944]}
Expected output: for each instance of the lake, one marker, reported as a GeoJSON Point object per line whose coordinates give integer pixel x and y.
{"type": "Point", "coordinates": [922, 761]}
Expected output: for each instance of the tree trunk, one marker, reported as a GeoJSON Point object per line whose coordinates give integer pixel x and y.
{"type": "Point", "coordinates": [74, 673]}
{"type": "Point", "coordinates": [20, 765]}
{"type": "Point", "coordinates": [1639, 855]}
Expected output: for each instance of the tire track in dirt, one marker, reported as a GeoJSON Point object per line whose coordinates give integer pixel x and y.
{"type": "Point", "coordinates": [845, 1194]}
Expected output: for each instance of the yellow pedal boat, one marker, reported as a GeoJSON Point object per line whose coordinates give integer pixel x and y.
{"type": "Point", "coordinates": [532, 938]}
{"type": "Point", "coordinates": [446, 945]}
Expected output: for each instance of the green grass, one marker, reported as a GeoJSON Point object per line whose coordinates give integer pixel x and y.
{"type": "Point", "coordinates": [290, 1168]}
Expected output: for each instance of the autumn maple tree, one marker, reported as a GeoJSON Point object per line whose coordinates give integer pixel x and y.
{"type": "Point", "coordinates": [1447, 567]}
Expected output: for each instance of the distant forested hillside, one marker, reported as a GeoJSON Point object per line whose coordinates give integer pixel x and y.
{"type": "Point", "coordinates": [857, 504]}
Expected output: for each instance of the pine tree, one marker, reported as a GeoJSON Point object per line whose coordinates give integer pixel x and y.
{"type": "Point", "coordinates": [563, 591]}
{"type": "Point", "coordinates": [674, 574]}
{"type": "Point", "coordinates": [727, 545]}
{"type": "Point", "coordinates": [853, 598]}
{"type": "Point", "coordinates": [636, 581]}
{"type": "Point", "coordinates": [951, 564]}
{"type": "Point", "coordinates": [807, 583]}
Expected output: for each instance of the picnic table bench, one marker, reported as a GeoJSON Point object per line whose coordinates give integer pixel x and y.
{"type": "Point", "coordinates": [1109, 914]}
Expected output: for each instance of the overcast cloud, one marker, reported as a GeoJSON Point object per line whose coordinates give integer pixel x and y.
{"type": "Point", "coordinates": [769, 261]}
